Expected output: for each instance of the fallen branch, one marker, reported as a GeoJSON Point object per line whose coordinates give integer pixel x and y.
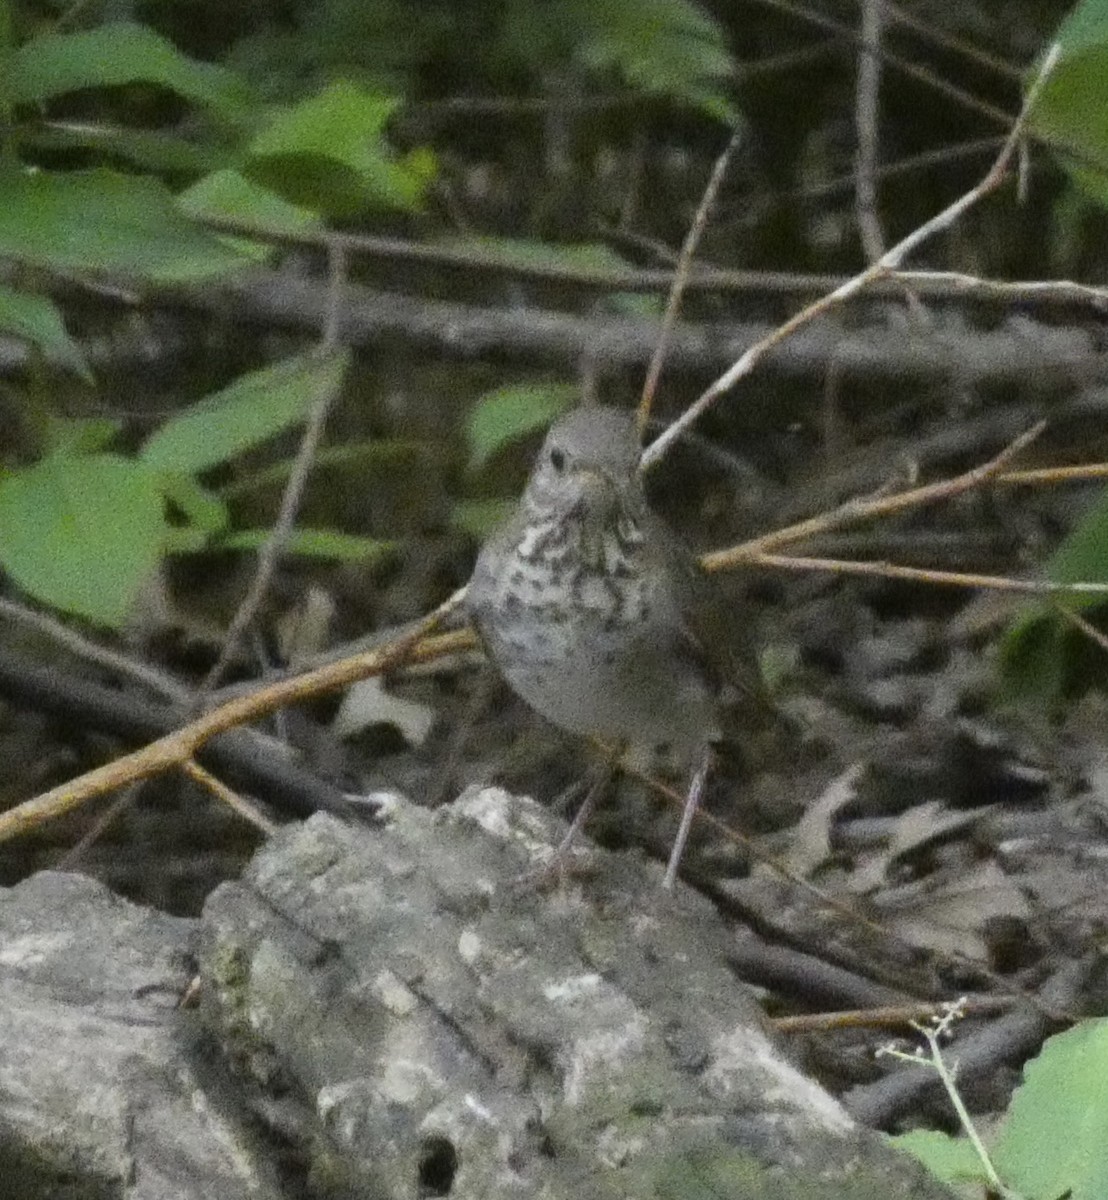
{"type": "Point", "coordinates": [178, 749]}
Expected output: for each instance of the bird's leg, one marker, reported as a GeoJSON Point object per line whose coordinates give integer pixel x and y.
{"type": "Point", "coordinates": [558, 864]}
{"type": "Point", "coordinates": [604, 777]}
{"type": "Point", "coordinates": [692, 803]}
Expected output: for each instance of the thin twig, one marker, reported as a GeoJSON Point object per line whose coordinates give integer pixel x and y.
{"type": "Point", "coordinates": [681, 277]}
{"type": "Point", "coordinates": [887, 263]}
{"type": "Point", "coordinates": [934, 1031]}
{"type": "Point", "coordinates": [245, 809]}
{"type": "Point", "coordinates": [61, 634]}
{"type": "Point", "coordinates": [854, 511]}
{"type": "Point", "coordinates": [957, 283]}
{"type": "Point", "coordinates": [71, 859]}
{"type": "Point", "coordinates": [949, 42]}
{"type": "Point", "coordinates": [1083, 626]}
{"type": "Point", "coordinates": [270, 553]}
{"type": "Point", "coordinates": [702, 278]}
{"type": "Point", "coordinates": [939, 156]}
{"type": "Point", "coordinates": [1075, 474]}
{"type": "Point", "coordinates": [885, 570]}
{"type": "Point", "coordinates": [889, 1015]}
{"type": "Point", "coordinates": [904, 65]}
{"type": "Point", "coordinates": [336, 278]}
{"type": "Point", "coordinates": [866, 111]}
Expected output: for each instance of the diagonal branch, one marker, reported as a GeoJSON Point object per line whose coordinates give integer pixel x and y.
{"type": "Point", "coordinates": [882, 268]}
{"type": "Point", "coordinates": [854, 511]}
{"type": "Point", "coordinates": [179, 748]}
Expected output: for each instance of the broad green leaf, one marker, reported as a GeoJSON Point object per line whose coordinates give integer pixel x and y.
{"type": "Point", "coordinates": [314, 543]}
{"type": "Point", "coordinates": [1054, 1136]}
{"type": "Point", "coordinates": [36, 319]}
{"type": "Point", "coordinates": [82, 533]}
{"type": "Point", "coordinates": [1071, 111]}
{"type": "Point", "coordinates": [119, 53]}
{"type": "Point", "coordinates": [329, 154]}
{"type": "Point", "coordinates": [103, 221]}
{"type": "Point", "coordinates": [229, 195]}
{"type": "Point", "coordinates": [253, 408]}
{"type": "Point", "coordinates": [1035, 660]}
{"type": "Point", "coordinates": [502, 416]}
{"type": "Point", "coordinates": [951, 1159]}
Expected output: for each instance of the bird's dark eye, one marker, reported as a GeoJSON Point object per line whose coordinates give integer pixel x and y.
{"type": "Point", "coordinates": [557, 459]}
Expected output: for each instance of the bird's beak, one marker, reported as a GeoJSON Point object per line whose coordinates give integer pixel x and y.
{"type": "Point", "coordinates": [593, 481]}
{"type": "Point", "coordinates": [599, 493]}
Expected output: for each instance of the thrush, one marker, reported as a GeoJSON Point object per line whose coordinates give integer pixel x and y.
{"type": "Point", "coordinates": [599, 617]}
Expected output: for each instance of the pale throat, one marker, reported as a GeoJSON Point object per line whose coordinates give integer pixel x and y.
{"type": "Point", "coordinates": [601, 540]}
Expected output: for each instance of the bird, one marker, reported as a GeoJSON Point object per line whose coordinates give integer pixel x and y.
{"type": "Point", "coordinates": [599, 617]}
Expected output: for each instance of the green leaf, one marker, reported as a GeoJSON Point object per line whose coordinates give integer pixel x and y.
{"type": "Point", "coordinates": [1071, 111]}
{"type": "Point", "coordinates": [203, 510]}
{"type": "Point", "coordinates": [1083, 555]}
{"type": "Point", "coordinates": [508, 413]}
{"type": "Point", "coordinates": [329, 154]}
{"type": "Point", "coordinates": [82, 533]}
{"type": "Point", "coordinates": [663, 47]}
{"type": "Point", "coordinates": [102, 221]}
{"type": "Point", "coordinates": [951, 1159]}
{"type": "Point", "coordinates": [255, 407]}
{"type": "Point", "coordinates": [186, 539]}
{"type": "Point", "coordinates": [1035, 661]}
{"type": "Point", "coordinates": [314, 543]}
{"type": "Point", "coordinates": [229, 195]}
{"type": "Point", "coordinates": [1054, 1136]}
{"type": "Point", "coordinates": [36, 319]}
{"type": "Point", "coordinates": [120, 53]}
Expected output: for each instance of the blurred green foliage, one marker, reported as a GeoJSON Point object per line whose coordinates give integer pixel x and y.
{"type": "Point", "coordinates": [1070, 112]}
{"type": "Point", "coordinates": [82, 527]}
{"type": "Point", "coordinates": [501, 416]}
{"type": "Point", "coordinates": [119, 136]}
{"type": "Point", "coordinates": [1042, 658]}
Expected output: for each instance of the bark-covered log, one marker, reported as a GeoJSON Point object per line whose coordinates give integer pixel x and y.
{"type": "Point", "coordinates": [386, 1016]}
{"type": "Point", "coordinates": [420, 1027]}
{"type": "Point", "coordinates": [104, 1093]}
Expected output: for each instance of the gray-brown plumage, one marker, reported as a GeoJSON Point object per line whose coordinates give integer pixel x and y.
{"type": "Point", "coordinates": [592, 609]}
